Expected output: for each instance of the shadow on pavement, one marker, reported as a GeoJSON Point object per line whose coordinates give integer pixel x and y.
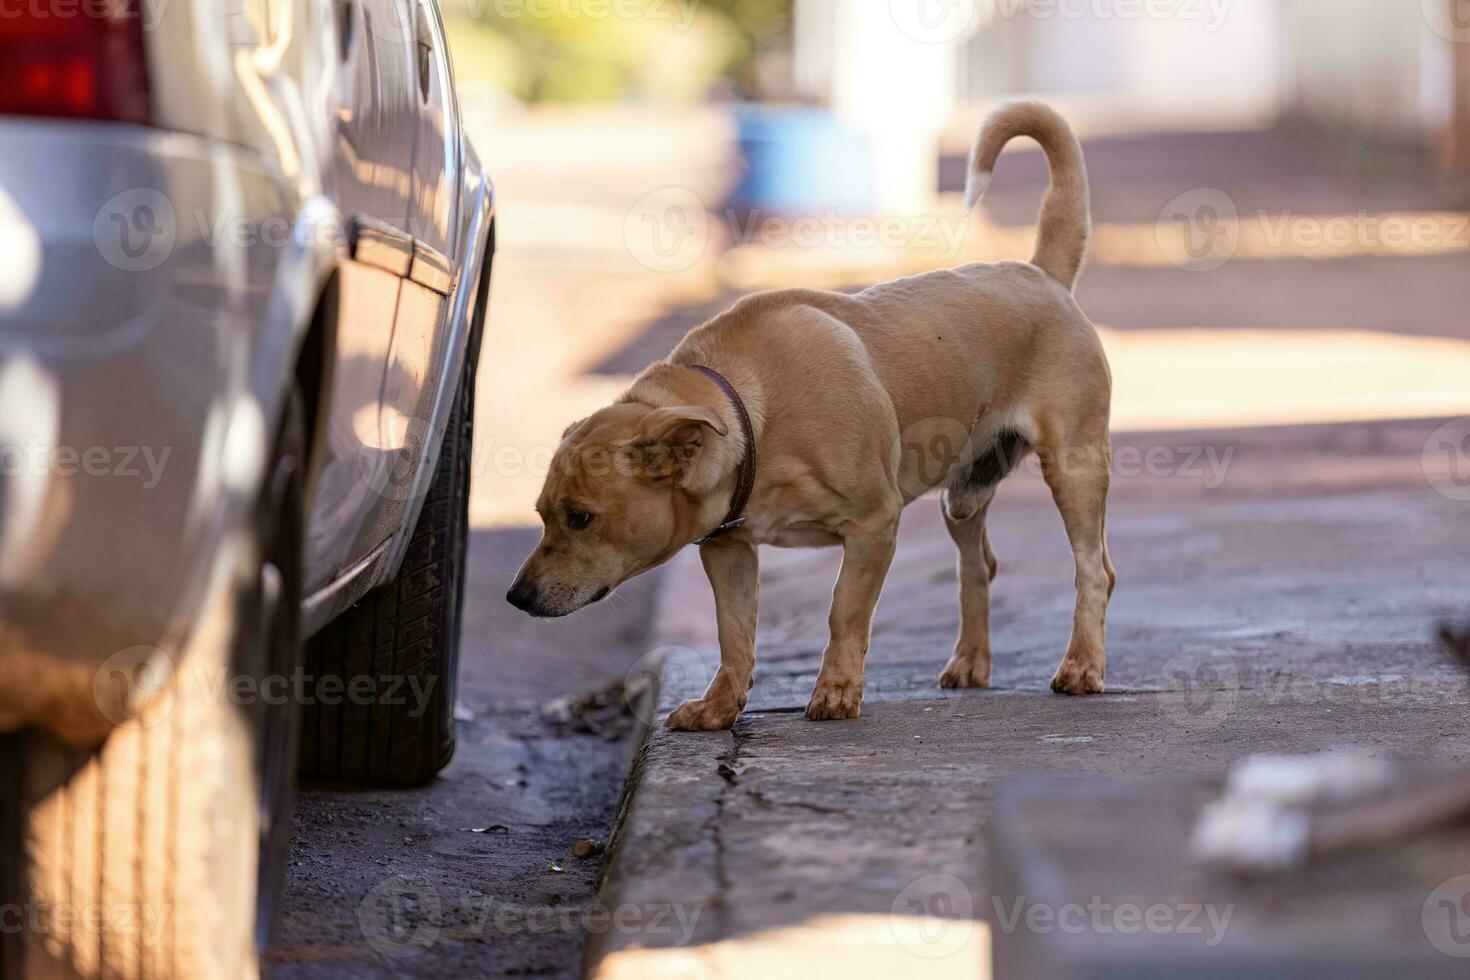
{"type": "Point", "coordinates": [400, 883]}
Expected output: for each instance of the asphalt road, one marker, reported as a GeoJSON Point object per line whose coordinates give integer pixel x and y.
{"type": "Point", "coordinates": [400, 884]}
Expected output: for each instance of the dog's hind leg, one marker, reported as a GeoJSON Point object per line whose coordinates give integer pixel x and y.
{"type": "Point", "coordinates": [966, 502]}
{"type": "Point", "coordinates": [970, 665]}
{"type": "Point", "coordinates": [1078, 477]}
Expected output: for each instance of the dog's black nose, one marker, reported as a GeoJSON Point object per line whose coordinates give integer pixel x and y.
{"type": "Point", "coordinates": [522, 595]}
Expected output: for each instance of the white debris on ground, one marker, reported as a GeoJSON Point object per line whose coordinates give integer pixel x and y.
{"type": "Point", "coordinates": [1262, 823]}
{"type": "Point", "coordinates": [1254, 835]}
{"type": "Point", "coordinates": [1302, 780]}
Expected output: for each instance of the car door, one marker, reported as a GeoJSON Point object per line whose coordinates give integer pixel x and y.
{"type": "Point", "coordinates": [432, 216]}
{"type": "Point", "coordinates": [421, 343]}
{"type": "Point", "coordinates": [368, 172]}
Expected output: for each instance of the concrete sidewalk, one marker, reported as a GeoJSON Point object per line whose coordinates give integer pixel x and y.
{"type": "Point", "coordinates": [1277, 590]}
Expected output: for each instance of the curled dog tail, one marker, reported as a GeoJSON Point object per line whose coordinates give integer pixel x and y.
{"type": "Point", "coordinates": [1066, 223]}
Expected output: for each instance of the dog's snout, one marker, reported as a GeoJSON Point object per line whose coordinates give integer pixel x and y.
{"type": "Point", "coordinates": [522, 595]}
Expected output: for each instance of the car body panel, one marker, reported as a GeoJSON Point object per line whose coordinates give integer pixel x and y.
{"type": "Point", "coordinates": [164, 283]}
{"type": "Point", "coordinates": [139, 402]}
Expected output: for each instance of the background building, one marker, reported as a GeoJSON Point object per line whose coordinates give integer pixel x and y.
{"type": "Point", "coordinates": [1394, 71]}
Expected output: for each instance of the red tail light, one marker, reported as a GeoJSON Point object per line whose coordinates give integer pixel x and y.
{"type": "Point", "coordinates": [81, 60]}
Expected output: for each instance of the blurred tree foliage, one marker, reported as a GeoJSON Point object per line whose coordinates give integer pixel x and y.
{"type": "Point", "coordinates": [760, 23]}
{"type": "Point", "coordinates": [614, 50]}
{"type": "Point", "coordinates": [764, 28]}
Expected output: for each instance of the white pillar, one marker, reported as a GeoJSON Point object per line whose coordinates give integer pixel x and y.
{"type": "Point", "coordinates": [893, 77]}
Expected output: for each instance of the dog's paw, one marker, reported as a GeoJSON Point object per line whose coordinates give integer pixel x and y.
{"type": "Point", "coordinates": [834, 702]}
{"type": "Point", "coordinates": [702, 716]}
{"type": "Point", "coordinates": [965, 672]}
{"type": "Point", "coordinates": [1078, 677]}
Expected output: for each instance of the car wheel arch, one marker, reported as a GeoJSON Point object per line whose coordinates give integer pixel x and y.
{"type": "Point", "coordinates": [312, 371]}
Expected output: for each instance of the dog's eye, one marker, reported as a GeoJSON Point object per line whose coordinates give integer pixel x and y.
{"type": "Point", "coordinates": [576, 519]}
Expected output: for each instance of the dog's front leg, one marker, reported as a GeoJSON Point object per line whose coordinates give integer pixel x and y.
{"type": "Point", "coordinates": [866, 556]}
{"type": "Point", "coordinates": [734, 573]}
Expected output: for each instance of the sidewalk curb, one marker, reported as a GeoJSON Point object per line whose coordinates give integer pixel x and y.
{"type": "Point", "coordinates": [639, 881]}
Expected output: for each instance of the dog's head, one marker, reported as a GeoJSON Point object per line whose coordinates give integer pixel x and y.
{"type": "Point", "coordinates": [626, 490]}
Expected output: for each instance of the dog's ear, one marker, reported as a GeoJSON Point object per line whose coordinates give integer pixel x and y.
{"type": "Point", "coordinates": [682, 425]}
{"type": "Point", "coordinates": [686, 444]}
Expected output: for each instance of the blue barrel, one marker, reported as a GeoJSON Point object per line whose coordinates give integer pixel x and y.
{"type": "Point", "coordinates": [801, 161]}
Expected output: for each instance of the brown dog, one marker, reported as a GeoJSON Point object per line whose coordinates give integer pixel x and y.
{"type": "Point", "coordinates": [853, 406]}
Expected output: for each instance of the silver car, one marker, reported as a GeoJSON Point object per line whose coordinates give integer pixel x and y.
{"type": "Point", "coordinates": [246, 253]}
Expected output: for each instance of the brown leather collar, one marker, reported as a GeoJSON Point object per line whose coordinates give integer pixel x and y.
{"type": "Point", "coordinates": [745, 480]}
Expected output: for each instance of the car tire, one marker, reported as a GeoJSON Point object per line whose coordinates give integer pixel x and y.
{"type": "Point", "coordinates": [161, 853]}
{"type": "Point", "coordinates": [400, 642]}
